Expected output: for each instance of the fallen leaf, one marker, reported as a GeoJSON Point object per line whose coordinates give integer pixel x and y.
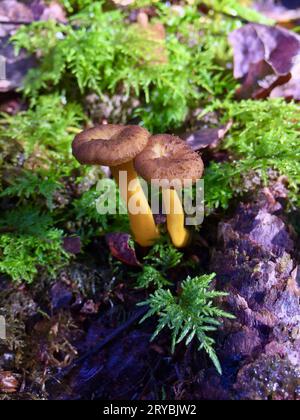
{"type": "Point", "coordinates": [14, 11]}
{"type": "Point", "coordinates": [290, 90]}
{"type": "Point", "coordinates": [264, 57]}
{"type": "Point", "coordinates": [284, 11]}
{"type": "Point", "coordinates": [120, 245]}
{"type": "Point", "coordinates": [53, 11]}
{"type": "Point", "coordinates": [9, 383]}
{"type": "Point", "coordinates": [208, 137]}
{"type": "Point", "coordinates": [260, 81]}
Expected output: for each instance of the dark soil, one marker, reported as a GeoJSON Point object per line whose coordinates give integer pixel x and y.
{"type": "Point", "coordinates": [79, 338]}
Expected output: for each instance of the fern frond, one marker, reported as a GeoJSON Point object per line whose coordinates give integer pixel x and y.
{"type": "Point", "coordinates": [190, 315]}
{"type": "Point", "coordinates": [162, 257]}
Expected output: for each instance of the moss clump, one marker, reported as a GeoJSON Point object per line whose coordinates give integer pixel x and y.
{"type": "Point", "coordinates": [264, 138]}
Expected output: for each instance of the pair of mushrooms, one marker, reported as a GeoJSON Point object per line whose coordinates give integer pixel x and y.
{"type": "Point", "coordinates": [161, 157]}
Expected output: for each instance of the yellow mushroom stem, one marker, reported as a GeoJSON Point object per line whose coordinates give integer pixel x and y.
{"type": "Point", "coordinates": [175, 218]}
{"type": "Point", "coordinates": [142, 224]}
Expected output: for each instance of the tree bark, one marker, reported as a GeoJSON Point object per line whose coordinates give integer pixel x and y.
{"type": "Point", "coordinates": [260, 349]}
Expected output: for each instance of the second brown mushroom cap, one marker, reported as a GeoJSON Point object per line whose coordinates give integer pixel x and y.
{"type": "Point", "coordinates": [169, 158]}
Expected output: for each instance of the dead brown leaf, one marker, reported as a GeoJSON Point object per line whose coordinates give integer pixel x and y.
{"type": "Point", "coordinates": [264, 58]}
{"type": "Point", "coordinates": [208, 137]}
{"type": "Point", "coordinates": [9, 382]}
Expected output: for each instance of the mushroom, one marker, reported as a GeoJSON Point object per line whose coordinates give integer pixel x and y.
{"type": "Point", "coordinates": [169, 158]}
{"type": "Point", "coordinates": [116, 146]}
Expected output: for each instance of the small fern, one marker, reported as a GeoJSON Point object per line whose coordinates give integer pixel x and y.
{"type": "Point", "coordinates": [32, 185]}
{"type": "Point", "coordinates": [27, 220]}
{"type": "Point", "coordinates": [190, 315]}
{"type": "Point", "coordinates": [161, 258]}
{"type": "Point", "coordinates": [150, 276]}
{"type": "Point", "coordinates": [164, 256]}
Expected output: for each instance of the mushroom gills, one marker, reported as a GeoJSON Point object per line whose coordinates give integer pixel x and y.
{"type": "Point", "coordinates": [142, 224]}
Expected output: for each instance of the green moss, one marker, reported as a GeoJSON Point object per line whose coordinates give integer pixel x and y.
{"type": "Point", "coordinates": [161, 259]}
{"type": "Point", "coordinates": [237, 9]}
{"type": "Point", "coordinates": [102, 53]}
{"type": "Point", "coordinates": [48, 125]}
{"type": "Point", "coordinates": [91, 221]}
{"type": "Point", "coordinates": [264, 138]}
{"type": "Point", "coordinates": [23, 255]}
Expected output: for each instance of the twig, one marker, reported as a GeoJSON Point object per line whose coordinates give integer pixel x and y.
{"type": "Point", "coordinates": [100, 346]}
{"type": "Point", "coordinates": [234, 17]}
{"type": "Point", "coordinates": [119, 330]}
{"type": "Point", "coordinates": [15, 22]}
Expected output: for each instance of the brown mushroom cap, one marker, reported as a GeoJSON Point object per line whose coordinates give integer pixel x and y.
{"type": "Point", "coordinates": [168, 157]}
{"type": "Point", "coordinates": [109, 145]}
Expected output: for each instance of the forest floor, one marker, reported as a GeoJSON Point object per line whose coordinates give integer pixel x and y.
{"type": "Point", "coordinates": [70, 280]}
